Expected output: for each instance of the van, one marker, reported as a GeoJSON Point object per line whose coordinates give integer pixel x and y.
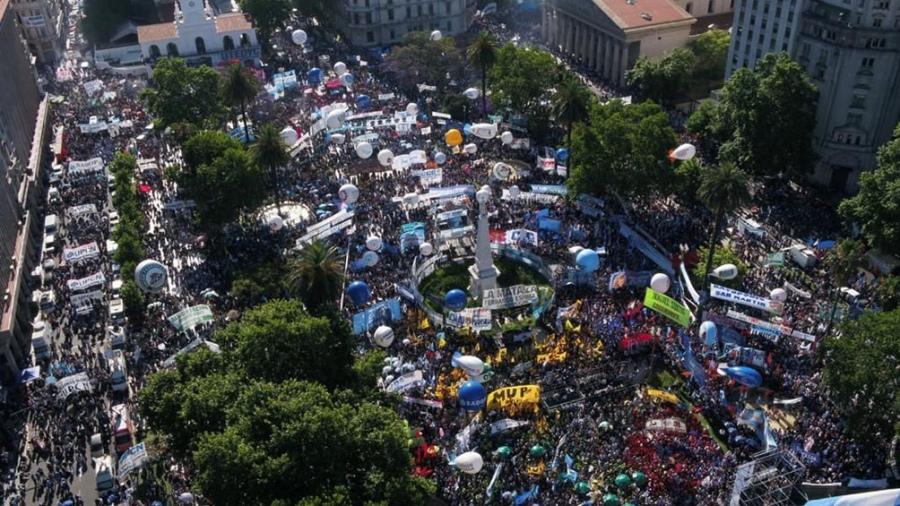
{"type": "Point", "coordinates": [47, 301]}
{"type": "Point", "coordinates": [122, 428]}
{"type": "Point", "coordinates": [118, 370]}
{"type": "Point", "coordinates": [41, 337]}
{"type": "Point", "coordinates": [53, 195]}
{"type": "Point", "coordinates": [103, 466]}
{"type": "Point", "coordinates": [115, 288]}
{"type": "Point", "coordinates": [117, 337]}
{"type": "Point", "coordinates": [117, 311]}
{"type": "Point", "coordinates": [51, 224]}
{"type": "Point", "coordinates": [49, 245]}
{"type": "Point", "coordinates": [97, 449]}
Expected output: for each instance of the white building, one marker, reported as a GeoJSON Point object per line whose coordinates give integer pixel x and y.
{"type": "Point", "coordinates": [42, 23]}
{"type": "Point", "coordinates": [851, 50]}
{"type": "Point", "coordinates": [202, 36]}
{"type": "Point", "coordinates": [385, 22]}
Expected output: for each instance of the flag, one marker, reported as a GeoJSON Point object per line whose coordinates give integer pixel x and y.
{"type": "Point", "coordinates": [524, 497]}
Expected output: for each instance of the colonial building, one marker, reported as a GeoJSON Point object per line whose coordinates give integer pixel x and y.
{"type": "Point", "coordinates": [385, 22]}
{"type": "Point", "coordinates": [43, 26]}
{"type": "Point", "coordinates": [201, 35]}
{"type": "Point", "coordinates": [852, 54]}
{"type": "Point", "coordinates": [608, 36]}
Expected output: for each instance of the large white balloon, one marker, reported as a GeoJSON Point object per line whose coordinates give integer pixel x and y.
{"type": "Point", "coordinates": [470, 148]}
{"type": "Point", "coordinates": [385, 157]}
{"type": "Point", "coordinates": [502, 171]}
{"type": "Point", "coordinates": [708, 330]}
{"type": "Point", "coordinates": [436, 35]}
{"type": "Point", "coordinates": [426, 249]}
{"type": "Point", "coordinates": [472, 93]}
{"type": "Point", "coordinates": [471, 365]}
{"type": "Point", "coordinates": [364, 150]}
{"type": "Point", "coordinates": [660, 283]}
{"type": "Point", "coordinates": [778, 294]}
{"type": "Point", "coordinates": [506, 137]}
{"type": "Point", "coordinates": [150, 276]}
{"type": "Point", "coordinates": [469, 462]}
{"type": "Point", "coordinates": [348, 193]}
{"type": "Point", "coordinates": [370, 258]}
{"type": "Point", "coordinates": [374, 243]}
{"type": "Point", "coordinates": [340, 68]}
{"type": "Point", "coordinates": [684, 152]}
{"type": "Point", "coordinates": [276, 222]}
{"type": "Point", "coordinates": [289, 136]}
{"type": "Point", "coordinates": [412, 108]}
{"type": "Point", "coordinates": [383, 336]}
{"type": "Point", "coordinates": [725, 271]}
{"type": "Point", "coordinates": [335, 118]}
{"type": "Point", "coordinates": [484, 130]}
{"type": "Point", "coordinates": [299, 37]}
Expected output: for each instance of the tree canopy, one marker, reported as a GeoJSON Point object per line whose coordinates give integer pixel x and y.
{"type": "Point", "coordinates": [623, 149]}
{"type": "Point", "coordinates": [420, 60]}
{"type": "Point", "coordinates": [876, 208]}
{"type": "Point", "coordinates": [521, 77]}
{"type": "Point", "coordinates": [205, 146]}
{"type": "Point", "coordinates": [711, 51]}
{"type": "Point", "coordinates": [183, 94]}
{"type": "Point", "coordinates": [225, 186]}
{"type": "Point", "coordinates": [663, 79]}
{"type": "Point", "coordinates": [268, 15]}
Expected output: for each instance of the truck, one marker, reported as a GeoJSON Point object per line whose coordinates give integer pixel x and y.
{"type": "Point", "coordinates": [103, 467]}
{"type": "Point", "coordinates": [118, 370]}
{"type": "Point", "coordinates": [122, 428]}
{"type": "Point", "coordinates": [41, 337]}
{"type": "Point", "coordinates": [117, 311]}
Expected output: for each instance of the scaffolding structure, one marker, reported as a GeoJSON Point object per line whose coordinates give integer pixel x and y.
{"type": "Point", "coordinates": [772, 478]}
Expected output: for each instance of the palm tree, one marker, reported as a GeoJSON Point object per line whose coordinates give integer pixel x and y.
{"type": "Point", "coordinates": [238, 88]}
{"type": "Point", "coordinates": [570, 106]}
{"type": "Point", "coordinates": [269, 152]}
{"type": "Point", "coordinates": [723, 188]}
{"type": "Point", "coordinates": [482, 53]}
{"type": "Point", "coordinates": [317, 274]}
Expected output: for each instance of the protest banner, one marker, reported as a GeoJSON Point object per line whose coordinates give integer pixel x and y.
{"type": "Point", "coordinates": [746, 299]}
{"type": "Point", "coordinates": [76, 211]}
{"type": "Point", "coordinates": [429, 177]}
{"type": "Point", "coordinates": [377, 314]}
{"type": "Point", "coordinates": [521, 395]}
{"type": "Point", "coordinates": [86, 282]}
{"type": "Point", "coordinates": [475, 318]}
{"type": "Point", "coordinates": [83, 252]}
{"type": "Point", "coordinates": [668, 307]}
{"type": "Point", "coordinates": [76, 168]}
{"type": "Point", "coordinates": [662, 395]}
{"type": "Point", "coordinates": [506, 424]}
{"type": "Point", "coordinates": [72, 384]}
{"type": "Point", "coordinates": [666, 425]}
{"type": "Point", "coordinates": [81, 299]}
{"type": "Point", "coordinates": [405, 382]}
{"type": "Point", "coordinates": [133, 458]}
{"type": "Point", "coordinates": [512, 296]}
{"type": "Point", "coordinates": [191, 317]}
{"type": "Point", "coordinates": [550, 189]}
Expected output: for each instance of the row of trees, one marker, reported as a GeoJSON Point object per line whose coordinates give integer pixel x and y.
{"type": "Point", "coordinates": [127, 234]}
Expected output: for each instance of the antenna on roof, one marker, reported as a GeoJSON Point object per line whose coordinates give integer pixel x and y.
{"type": "Point", "coordinates": [630, 2]}
{"type": "Point", "coordinates": [646, 16]}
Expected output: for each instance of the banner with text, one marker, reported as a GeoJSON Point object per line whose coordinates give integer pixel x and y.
{"type": "Point", "coordinates": [745, 299]}
{"type": "Point", "coordinates": [512, 296]}
{"type": "Point", "coordinates": [668, 307]}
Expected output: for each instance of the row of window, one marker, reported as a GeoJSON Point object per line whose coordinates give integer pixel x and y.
{"type": "Point", "coordinates": [370, 36]}
{"type": "Point", "coordinates": [357, 18]}
{"type": "Point", "coordinates": [199, 44]}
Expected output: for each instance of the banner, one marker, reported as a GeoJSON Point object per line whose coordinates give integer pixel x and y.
{"type": "Point", "coordinates": [133, 458]}
{"type": "Point", "coordinates": [429, 177]}
{"type": "Point", "coordinates": [446, 192]}
{"type": "Point", "coordinates": [798, 291]}
{"type": "Point", "coordinates": [757, 322]}
{"type": "Point", "coordinates": [637, 241]}
{"type": "Point", "coordinates": [93, 87]}
{"type": "Point", "coordinates": [377, 314]}
{"type": "Point", "coordinates": [475, 318]}
{"type": "Point", "coordinates": [745, 299]}
{"type": "Point", "coordinates": [423, 402]}
{"type": "Point", "coordinates": [92, 128]}
{"type": "Point", "coordinates": [513, 296]}
{"type": "Point", "coordinates": [518, 236]}
{"type": "Point", "coordinates": [450, 215]}
{"type": "Point", "coordinates": [541, 198]}
{"type": "Point", "coordinates": [405, 382]}
{"type": "Point", "coordinates": [662, 395]}
{"type": "Point", "coordinates": [83, 252]}
{"type": "Point", "coordinates": [550, 189]}
{"type": "Point", "coordinates": [776, 259]}
{"type": "Point", "coordinates": [667, 424]}
{"type": "Point", "coordinates": [522, 395]}
{"type": "Point", "coordinates": [191, 317]}
{"type": "Point", "coordinates": [72, 384]}
{"type": "Point", "coordinates": [630, 279]}
{"type": "Point", "coordinates": [76, 211]}
{"type": "Point", "coordinates": [411, 235]}
{"type": "Point", "coordinates": [80, 299]}
{"type": "Point", "coordinates": [456, 233]}
{"type": "Point", "coordinates": [76, 168]}
{"type": "Point", "coordinates": [668, 307]}
{"type": "Point", "coordinates": [327, 227]}
{"type": "Point", "coordinates": [506, 424]}
{"type": "Point", "coordinates": [86, 282]}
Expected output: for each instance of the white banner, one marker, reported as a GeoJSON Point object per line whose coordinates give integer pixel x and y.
{"type": "Point", "coordinates": [746, 299]}
{"type": "Point", "coordinates": [76, 211]}
{"type": "Point", "coordinates": [405, 382]}
{"type": "Point", "coordinates": [429, 177]}
{"type": "Point", "coordinates": [93, 87]}
{"type": "Point", "coordinates": [72, 384]}
{"type": "Point", "coordinates": [757, 322]}
{"type": "Point", "coordinates": [92, 128]}
{"type": "Point", "coordinates": [455, 233]}
{"type": "Point", "coordinates": [475, 318]}
{"type": "Point", "coordinates": [521, 236]}
{"type": "Point", "coordinates": [83, 252]}
{"type": "Point", "coordinates": [386, 96]}
{"type": "Point", "coordinates": [81, 299]}
{"type": "Point", "coordinates": [334, 223]}
{"type": "Point", "coordinates": [133, 458]}
{"type": "Point", "coordinates": [513, 296]}
{"type": "Point", "coordinates": [449, 215]}
{"type": "Point", "coordinates": [93, 165]}
{"type": "Point", "coordinates": [86, 282]}
{"type": "Point", "coordinates": [506, 424]}
{"type": "Point", "coordinates": [191, 317]}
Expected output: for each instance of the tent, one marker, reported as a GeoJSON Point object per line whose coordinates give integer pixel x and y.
{"type": "Point", "coordinates": [878, 498]}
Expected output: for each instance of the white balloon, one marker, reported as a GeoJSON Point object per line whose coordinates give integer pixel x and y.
{"type": "Point", "coordinates": [364, 150]}
{"type": "Point", "coordinates": [502, 171]}
{"type": "Point", "coordinates": [471, 365]}
{"type": "Point", "coordinates": [436, 35]}
{"type": "Point", "coordinates": [708, 328]}
{"type": "Point", "coordinates": [470, 148]}
{"type": "Point", "coordinates": [386, 369]}
{"type": "Point", "coordinates": [426, 249]}
{"type": "Point", "coordinates": [335, 118]}
{"type": "Point", "coordinates": [506, 137]}
{"type": "Point", "coordinates": [299, 37]}
{"type": "Point", "coordinates": [370, 258]}
{"type": "Point", "coordinates": [725, 271]}
{"type": "Point", "coordinates": [383, 336]}
{"type": "Point", "coordinates": [340, 68]}
{"type": "Point", "coordinates": [276, 222]}
{"type": "Point", "coordinates": [408, 367]}
{"type": "Point", "coordinates": [389, 378]}
{"type": "Point", "coordinates": [469, 462]}
{"type": "Point", "coordinates": [778, 294]}
{"type": "Point", "coordinates": [472, 93]}
{"type": "Point", "coordinates": [440, 158]}
{"type": "Point", "coordinates": [385, 157]}
{"type": "Point", "coordinates": [412, 108]}
{"type": "Point", "coordinates": [660, 283]}
{"type": "Point", "coordinates": [575, 250]}
{"type": "Point", "coordinates": [289, 136]}
{"type": "Point", "coordinates": [374, 243]}
{"type": "Point", "coordinates": [684, 152]}
{"type": "Point", "coordinates": [484, 130]}
{"type": "Point", "coordinates": [150, 276]}
{"type": "Point", "coordinates": [514, 191]}
{"type": "Point", "coordinates": [349, 193]}
{"type": "Point", "coordinates": [338, 138]}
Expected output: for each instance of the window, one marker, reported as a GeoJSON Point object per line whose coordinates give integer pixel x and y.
{"type": "Point", "coordinates": [368, 18]}
{"type": "Point", "coordinates": [765, 21]}
{"type": "Point", "coordinates": [370, 37]}
{"type": "Point", "coordinates": [449, 7]}
{"type": "Point", "coordinates": [171, 49]}
{"type": "Point", "coordinates": [393, 35]}
{"type": "Point", "coordinates": [408, 12]}
{"type": "Point", "coordinates": [245, 41]}
{"type": "Point", "coordinates": [858, 102]}
{"type": "Point", "coordinates": [854, 119]}
{"type": "Point", "coordinates": [883, 4]}
{"type": "Point", "coordinates": [450, 26]}
{"type": "Point", "coordinates": [419, 9]}
{"type": "Point", "coordinates": [772, 44]}
{"type": "Point", "coordinates": [201, 45]}
{"type": "Point", "coordinates": [431, 9]}
{"type": "Point", "coordinates": [154, 51]}
{"type": "Point", "coordinates": [784, 47]}
{"type": "Point", "coordinates": [356, 18]}
{"type": "Point", "coordinates": [390, 14]}
{"type": "Point", "coordinates": [710, 6]}
{"type": "Point", "coordinates": [790, 16]}
{"type": "Point", "coordinates": [689, 7]}
{"type": "Point", "coordinates": [867, 63]}
{"type": "Point", "coordinates": [228, 43]}
{"type": "Point", "coordinates": [877, 21]}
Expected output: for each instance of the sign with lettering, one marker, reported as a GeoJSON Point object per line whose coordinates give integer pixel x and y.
{"type": "Point", "coordinates": [668, 307]}
{"type": "Point", "coordinates": [191, 317]}
{"type": "Point", "coordinates": [513, 296]}
{"type": "Point", "coordinates": [522, 395]}
{"type": "Point", "coordinates": [83, 252]}
{"type": "Point", "coordinates": [745, 299]}
{"type": "Point", "coordinates": [86, 282]}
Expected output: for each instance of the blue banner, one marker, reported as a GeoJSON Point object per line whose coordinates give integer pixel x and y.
{"type": "Point", "coordinates": [378, 314]}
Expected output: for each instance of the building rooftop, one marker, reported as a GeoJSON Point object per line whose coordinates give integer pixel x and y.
{"type": "Point", "coordinates": [234, 22]}
{"type": "Point", "coordinates": [157, 32]}
{"type": "Point", "coordinates": [3, 5]}
{"type": "Point", "coordinates": [635, 14]}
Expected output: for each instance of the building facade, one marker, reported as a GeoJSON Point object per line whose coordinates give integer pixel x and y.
{"type": "Point", "coordinates": [201, 35]}
{"type": "Point", "coordinates": [375, 23]}
{"type": "Point", "coordinates": [851, 50]}
{"type": "Point", "coordinates": [608, 36]}
{"type": "Point", "coordinates": [23, 155]}
{"type": "Point", "coordinates": [43, 26]}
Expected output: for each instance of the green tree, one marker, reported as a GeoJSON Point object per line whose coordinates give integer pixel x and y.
{"type": "Point", "coordinates": [238, 88]}
{"type": "Point", "coordinates": [226, 186]}
{"type": "Point", "coordinates": [268, 15]}
{"type": "Point", "coordinates": [205, 146]}
{"type": "Point", "coordinates": [482, 54]}
{"type": "Point", "coordinates": [724, 254]}
{"type": "Point", "coordinates": [183, 95]}
{"type": "Point", "coordinates": [706, 122]}
{"type": "Point", "coordinates": [133, 299]}
{"type": "Point", "coordinates": [688, 174]}
{"type": "Point", "coordinates": [723, 188]}
{"type": "Point", "coordinates": [279, 340]}
{"type": "Point", "coordinates": [367, 369]}
{"type": "Point", "coordinates": [522, 78]}
{"type": "Point", "coordinates": [270, 153]}
{"type": "Point", "coordinates": [711, 51]}
{"type": "Point", "coordinates": [665, 78]}
{"type": "Point", "coordinates": [317, 274]}
{"type": "Point", "coordinates": [888, 292]}
{"type": "Point", "coordinates": [570, 105]}
{"type": "Point", "coordinates": [861, 373]}
{"type": "Point", "coordinates": [623, 149]}
{"type": "Point", "coordinates": [876, 208]}
{"type": "Point", "coordinates": [420, 60]}
{"type": "Point", "coordinates": [845, 260]}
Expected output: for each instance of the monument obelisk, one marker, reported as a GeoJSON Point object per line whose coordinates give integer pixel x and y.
{"type": "Point", "coordinates": [483, 272]}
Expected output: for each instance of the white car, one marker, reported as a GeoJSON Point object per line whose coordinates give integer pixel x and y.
{"type": "Point", "coordinates": [113, 218]}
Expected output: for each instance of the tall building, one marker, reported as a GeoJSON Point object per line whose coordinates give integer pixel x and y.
{"type": "Point", "coordinates": [371, 23]}
{"type": "Point", "coordinates": [23, 150]}
{"type": "Point", "coordinates": [851, 50]}
{"type": "Point", "coordinates": [43, 26]}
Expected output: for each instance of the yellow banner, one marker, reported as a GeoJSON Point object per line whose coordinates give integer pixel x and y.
{"type": "Point", "coordinates": [662, 395]}
{"type": "Point", "coordinates": [514, 396]}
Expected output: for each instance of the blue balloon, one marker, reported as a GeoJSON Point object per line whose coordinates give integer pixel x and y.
{"type": "Point", "coordinates": [472, 396]}
{"type": "Point", "coordinates": [314, 76]}
{"type": "Point", "coordinates": [562, 154]}
{"type": "Point", "coordinates": [358, 292]}
{"type": "Point", "coordinates": [363, 101]}
{"type": "Point", "coordinates": [744, 375]}
{"type": "Point", "coordinates": [455, 299]}
{"type": "Point", "coordinates": [588, 260]}
{"type": "Point", "coordinates": [347, 79]}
